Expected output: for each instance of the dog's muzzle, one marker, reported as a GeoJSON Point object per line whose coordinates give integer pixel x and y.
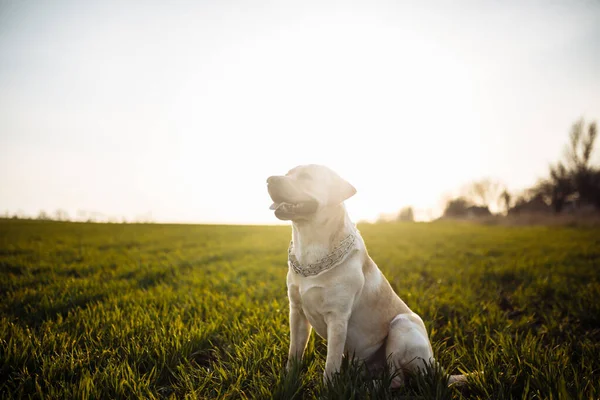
{"type": "Point", "coordinates": [285, 207]}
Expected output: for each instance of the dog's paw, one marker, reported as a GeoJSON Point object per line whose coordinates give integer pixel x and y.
{"type": "Point", "coordinates": [293, 365]}
{"type": "Point", "coordinates": [328, 375]}
{"type": "Point", "coordinates": [397, 382]}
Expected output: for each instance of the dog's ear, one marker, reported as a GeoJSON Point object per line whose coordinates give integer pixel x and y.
{"type": "Point", "coordinates": [341, 190]}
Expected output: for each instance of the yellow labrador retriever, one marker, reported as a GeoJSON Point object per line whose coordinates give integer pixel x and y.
{"type": "Point", "coordinates": [333, 284]}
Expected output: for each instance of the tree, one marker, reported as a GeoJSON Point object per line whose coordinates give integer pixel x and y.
{"type": "Point", "coordinates": [61, 215]}
{"type": "Point", "coordinates": [580, 145]}
{"type": "Point", "coordinates": [504, 200]}
{"type": "Point", "coordinates": [457, 208]}
{"type": "Point", "coordinates": [573, 178]}
{"type": "Point", "coordinates": [406, 214]}
{"type": "Point", "coordinates": [530, 202]}
{"type": "Point", "coordinates": [585, 178]}
{"type": "Point", "coordinates": [43, 216]}
{"type": "Point", "coordinates": [561, 186]}
{"type": "Point", "coordinates": [485, 192]}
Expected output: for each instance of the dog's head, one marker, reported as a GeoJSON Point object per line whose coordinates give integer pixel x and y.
{"type": "Point", "coordinates": [305, 190]}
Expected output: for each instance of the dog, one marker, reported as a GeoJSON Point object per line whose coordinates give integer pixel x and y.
{"type": "Point", "coordinates": [335, 288]}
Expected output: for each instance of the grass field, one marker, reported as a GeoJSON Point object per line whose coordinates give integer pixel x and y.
{"type": "Point", "coordinates": [173, 311]}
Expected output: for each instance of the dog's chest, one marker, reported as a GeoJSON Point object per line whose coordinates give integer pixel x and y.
{"type": "Point", "coordinates": [313, 305]}
{"type": "Point", "coordinates": [330, 294]}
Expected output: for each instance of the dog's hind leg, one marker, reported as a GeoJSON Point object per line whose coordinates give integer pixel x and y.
{"type": "Point", "coordinates": [407, 347]}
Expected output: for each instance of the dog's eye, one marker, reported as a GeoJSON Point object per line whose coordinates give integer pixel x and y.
{"type": "Point", "coordinates": [304, 176]}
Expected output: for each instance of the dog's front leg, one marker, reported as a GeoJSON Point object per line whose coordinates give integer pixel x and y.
{"type": "Point", "coordinates": [337, 326]}
{"type": "Point", "coordinates": [299, 328]}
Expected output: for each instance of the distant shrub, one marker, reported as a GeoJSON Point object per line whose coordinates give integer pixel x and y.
{"type": "Point", "coordinates": [406, 214]}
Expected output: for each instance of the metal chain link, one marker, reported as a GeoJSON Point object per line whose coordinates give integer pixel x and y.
{"type": "Point", "coordinates": [329, 261]}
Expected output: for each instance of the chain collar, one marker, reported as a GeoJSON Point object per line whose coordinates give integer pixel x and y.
{"type": "Point", "coordinates": [331, 260]}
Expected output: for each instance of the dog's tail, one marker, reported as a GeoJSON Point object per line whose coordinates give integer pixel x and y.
{"type": "Point", "coordinates": [460, 380]}
{"type": "Point", "coordinates": [457, 380]}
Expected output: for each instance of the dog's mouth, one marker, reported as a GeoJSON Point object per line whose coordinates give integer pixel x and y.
{"type": "Point", "coordinates": [289, 203]}
{"type": "Point", "coordinates": [288, 211]}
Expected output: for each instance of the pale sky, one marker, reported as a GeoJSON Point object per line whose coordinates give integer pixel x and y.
{"type": "Point", "coordinates": [183, 109]}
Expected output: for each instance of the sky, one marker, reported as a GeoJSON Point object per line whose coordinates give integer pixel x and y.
{"type": "Point", "coordinates": [179, 111]}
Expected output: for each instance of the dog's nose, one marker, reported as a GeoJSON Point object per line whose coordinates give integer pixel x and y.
{"type": "Point", "coordinates": [272, 179]}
